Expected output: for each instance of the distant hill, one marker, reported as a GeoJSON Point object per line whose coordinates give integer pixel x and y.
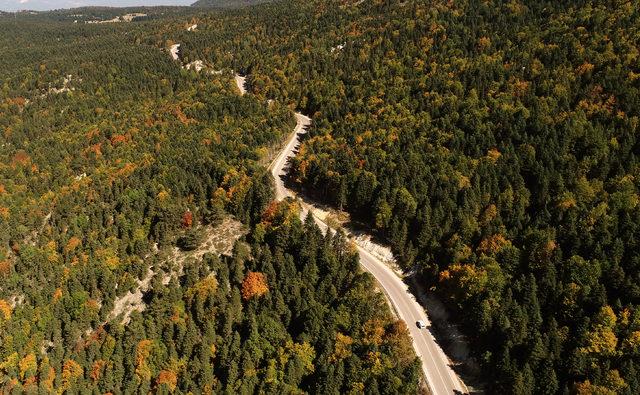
{"type": "Point", "coordinates": [91, 13]}
{"type": "Point", "coordinates": [227, 3]}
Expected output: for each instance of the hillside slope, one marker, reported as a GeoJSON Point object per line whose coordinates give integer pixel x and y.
{"type": "Point", "coordinates": [124, 267]}
{"type": "Point", "coordinates": [227, 3]}
{"type": "Point", "coordinates": [493, 145]}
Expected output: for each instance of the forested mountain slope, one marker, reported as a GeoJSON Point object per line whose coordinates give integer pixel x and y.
{"type": "Point", "coordinates": [493, 145]}
{"type": "Point", "coordinates": [111, 156]}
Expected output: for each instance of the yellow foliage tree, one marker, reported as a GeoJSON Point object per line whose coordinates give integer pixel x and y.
{"type": "Point", "coordinates": [72, 244]}
{"type": "Point", "coordinates": [373, 332]}
{"type": "Point", "coordinates": [601, 340]}
{"type": "Point", "coordinates": [374, 360]}
{"type": "Point", "coordinates": [304, 351]}
{"type": "Point", "coordinates": [5, 309]}
{"type": "Point", "coordinates": [342, 347]}
{"type": "Point", "coordinates": [493, 244]}
{"type": "Point", "coordinates": [203, 288]}
{"type": "Point", "coordinates": [143, 350]}
{"type": "Point", "coordinates": [28, 365]}
{"type": "Point", "coordinates": [5, 267]}
{"type": "Point", "coordinates": [168, 378]}
{"type": "Point", "coordinates": [612, 384]}
{"type": "Point", "coordinates": [71, 370]}
{"type": "Point", "coordinates": [468, 280]}
{"type": "Point", "coordinates": [632, 343]}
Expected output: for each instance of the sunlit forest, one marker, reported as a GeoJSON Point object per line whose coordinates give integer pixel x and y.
{"type": "Point", "coordinates": [492, 144]}
{"type": "Point", "coordinates": [140, 248]}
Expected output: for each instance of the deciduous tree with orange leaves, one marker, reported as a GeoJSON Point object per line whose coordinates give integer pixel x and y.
{"type": "Point", "coordinates": [254, 285]}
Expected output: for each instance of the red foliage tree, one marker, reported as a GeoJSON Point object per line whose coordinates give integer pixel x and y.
{"type": "Point", "coordinates": [187, 219]}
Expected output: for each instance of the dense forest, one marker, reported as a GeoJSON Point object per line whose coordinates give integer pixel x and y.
{"type": "Point", "coordinates": [227, 3]}
{"type": "Point", "coordinates": [492, 144]}
{"type": "Point", "coordinates": [121, 175]}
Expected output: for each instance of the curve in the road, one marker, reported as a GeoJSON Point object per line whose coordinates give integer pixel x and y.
{"type": "Point", "coordinates": [435, 364]}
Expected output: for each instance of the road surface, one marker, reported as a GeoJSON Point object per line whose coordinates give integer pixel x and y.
{"type": "Point", "coordinates": [278, 166]}
{"type": "Point", "coordinates": [435, 364]}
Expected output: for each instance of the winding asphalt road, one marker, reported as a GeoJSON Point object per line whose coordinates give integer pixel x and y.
{"type": "Point", "coordinates": [436, 366]}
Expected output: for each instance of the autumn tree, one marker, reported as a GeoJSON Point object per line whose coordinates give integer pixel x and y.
{"type": "Point", "coordinates": [254, 285]}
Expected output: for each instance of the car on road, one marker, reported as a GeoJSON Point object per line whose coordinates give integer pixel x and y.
{"type": "Point", "coordinates": [421, 324]}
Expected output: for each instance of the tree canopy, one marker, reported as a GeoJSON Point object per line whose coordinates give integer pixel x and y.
{"type": "Point", "coordinates": [492, 144]}
{"type": "Point", "coordinates": [119, 173]}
